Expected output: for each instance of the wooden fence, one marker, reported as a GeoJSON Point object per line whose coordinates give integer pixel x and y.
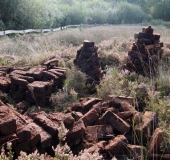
{"type": "Point", "coordinates": [7, 32]}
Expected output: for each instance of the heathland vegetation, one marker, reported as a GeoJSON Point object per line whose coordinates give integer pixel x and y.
{"type": "Point", "coordinates": [24, 14]}
{"type": "Point", "coordinates": [114, 43]}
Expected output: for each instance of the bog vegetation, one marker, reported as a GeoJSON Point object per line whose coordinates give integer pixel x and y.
{"type": "Point", "coordinates": [24, 14]}
{"type": "Point", "coordinates": [114, 43]}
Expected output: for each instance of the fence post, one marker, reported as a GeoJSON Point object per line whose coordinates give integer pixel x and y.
{"type": "Point", "coordinates": [81, 27]}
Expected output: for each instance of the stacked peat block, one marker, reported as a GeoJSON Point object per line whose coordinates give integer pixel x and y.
{"type": "Point", "coordinates": [145, 53]}
{"type": "Point", "coordinates": [87, 60]}
{"type": "Point", "coordinates": [27, 134]}
{"type": "Point", "coordinates": [39, 92]}
{"type": "Point", "coordinates": [104, 126]}
{"type": "Point", "coordinates": [4, 79]}
{"type": "Point", "coordinates": [4, 83]}
{"type": "Point", "coordinates": [54, 73]}
{"type": "Point", "coordinates": [19, 82]}
{"type": "Point", "coordinates": [48, 78]}
{"type": "Point", "coordinates": [109, 128]}
{"type": "Point", "coordinates": [35, 85]}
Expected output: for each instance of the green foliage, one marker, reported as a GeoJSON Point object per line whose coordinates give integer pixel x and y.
{"type": "Point", "coordinates": [5, 98]}
{"type": "Point", "coordinates": [24, 14]}
{"type": "Point", "coordinates": [76, 80]}
{"type": "Point", "coordinates": [74, 88]}
{"type": "Point", "coordinates": [73, 15]}
{"type": "Point", "coordinates": [115, 83]}
{"type": "Point", "coordinates": [161, 10]}
{"type": "Point", "coordinates": [157, 22]}
{"type": "Point", "coordinates": [130, 13]}
{"type": "Point", "coordinates": [97, 11]}
{"type": "Point", "coordinates": [35, 14]}
{"type": "Point", "coordinates": [2, 26]}
{"type": "Point", "coordinates": [108, 60]}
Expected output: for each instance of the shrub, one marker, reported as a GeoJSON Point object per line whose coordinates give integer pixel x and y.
{"type": "Point", "coordinates": [26, 14]}
{"type": "Point", "coordinates": [97, 15]}
{"type": "Point", "coordinates": [112, 16]}
{"type": "Point", "coordinates": [73, 15]}
{"type": "Point", "coordinates": [157, 22]}
{"type": "Point", "coordinates": [108, 60]}
{"type": "Point", "coordinates": [2, 26]}
{"type": "Point", "coordinates": [74, 88]}
{"type": "Point", "coordinates": [76, 80]}
{"type": "Point", "coordinates": [36, 14]}
{"type": "Point", "coordinates": [160, 10]}
{"type": "Point", "coordinates": [129, 13]}
{"type": "Point", "coordinates": [115, 83]}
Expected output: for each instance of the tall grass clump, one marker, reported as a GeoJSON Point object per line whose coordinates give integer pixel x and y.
{"type": "Point", "coordinates": [113, 52]}
{"type": "Point", "coordinates": [74, 88]}
{"type": "Point", "coordinates": [115, 83]}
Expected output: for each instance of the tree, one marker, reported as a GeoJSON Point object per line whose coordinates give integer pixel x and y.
{"type": "Point", "coordinates": [161, 10]}
{"type": "Point", "coordinates": [23, 14]}
{"type": "Point", "coordinates": [7, 12]}
{"type": "Point", "coordinates": [130, 13]}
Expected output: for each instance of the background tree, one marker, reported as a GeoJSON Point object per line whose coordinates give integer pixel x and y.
{"type": "Point", "coordinates": [24, 14]}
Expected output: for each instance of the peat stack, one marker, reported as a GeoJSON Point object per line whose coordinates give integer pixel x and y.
{"type": "Point", "coordinates": [26, 133]}
{"type": "Point", "coordinates": [35, 85]}
{"type": "Point", "coordinates": [19, 82]}
{"type": "Point", "coordinates": [87, 60]}
{"type": "Point", "coordinates": [145, 53]}
{"type": "Point", "coordinates": [113, 128]}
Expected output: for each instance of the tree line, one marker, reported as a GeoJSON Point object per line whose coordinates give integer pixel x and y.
{"type": "Point", "coordinates": [24, 14]}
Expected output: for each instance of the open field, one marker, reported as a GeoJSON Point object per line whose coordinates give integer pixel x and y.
{"type": "Point", "coordinates": [113, 44]}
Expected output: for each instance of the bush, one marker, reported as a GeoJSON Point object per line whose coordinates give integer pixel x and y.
{"type": "Point", "coordinates": [2, 26]}
{"type": "Point", "coordinates": [36, 14]}
{"type": "Point", "coordinates": [73, 15]}
{"type": "Point", "coordinates": [76, 80]}
{"type": "Point", "coordinates": [157, 22]}
{"type": "Point", "coordinates": [160, 10]}
{"type": "Point", "coordinates": [26, 14]}
{"type": "Point", "coordinates": [112, 16]}
{"type": "Point", "coordinates": [97, 13]}
{"type": "Point", "coordinates": [74, 88]}
{"type": "Point", "coordinates": [129, 13]}
{"type": "Point", "coordinates": [115, 83]}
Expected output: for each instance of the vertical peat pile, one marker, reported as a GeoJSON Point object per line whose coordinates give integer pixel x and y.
{"type": "Point", "coordinates": [87, 60]}
{"type": "Point", "coordinates": [145, 53]}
